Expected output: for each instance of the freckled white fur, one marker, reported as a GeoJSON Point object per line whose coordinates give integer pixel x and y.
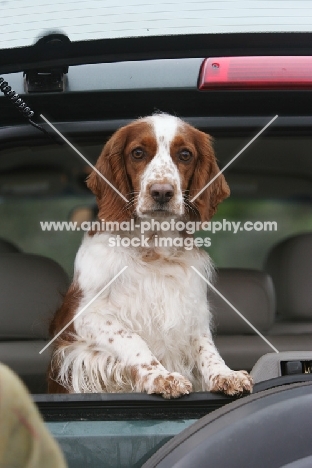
{"type": "Point", "coordinates": [162, 168]}
{"type": "Point", "coordinates": [162, 304]}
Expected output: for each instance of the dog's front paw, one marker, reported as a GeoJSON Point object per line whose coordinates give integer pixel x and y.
{"type": "Point", "coordinates": [170, 385]}
{"type": "Point", "coordinates": [233, 383]}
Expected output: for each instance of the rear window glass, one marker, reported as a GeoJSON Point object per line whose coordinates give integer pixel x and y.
{"type": "Point", "coordinates": [22, 23]}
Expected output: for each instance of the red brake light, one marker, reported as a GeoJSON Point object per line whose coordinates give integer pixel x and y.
{"type": "Point", "coordinates": [256, 73]}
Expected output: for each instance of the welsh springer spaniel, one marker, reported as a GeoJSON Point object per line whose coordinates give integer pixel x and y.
{"type": "Point", "coordinates": [149, 330]}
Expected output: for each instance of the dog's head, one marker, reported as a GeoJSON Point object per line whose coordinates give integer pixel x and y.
{"type": "Point", "coordinates": [159, 164]}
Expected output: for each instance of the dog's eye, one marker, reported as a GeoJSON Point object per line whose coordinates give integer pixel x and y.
{"type": "Point", "coordinates": [138, 153]}
{"type": "Point", "coordinates": [185, 155]}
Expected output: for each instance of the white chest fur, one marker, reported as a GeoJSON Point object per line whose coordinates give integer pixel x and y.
{"type": "Point", "coordinates": [159, 296]}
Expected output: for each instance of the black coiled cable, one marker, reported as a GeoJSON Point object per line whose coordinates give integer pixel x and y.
{"type": "Point", "coordinates": [15, 98]}
{"type": "Point", "coordinates": [18, 102]}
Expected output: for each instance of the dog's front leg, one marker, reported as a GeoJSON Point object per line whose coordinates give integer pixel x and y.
{"type": "Point", "coordinates": [217, 375]}
{"type": "Point", "coordinates": [146, 372]}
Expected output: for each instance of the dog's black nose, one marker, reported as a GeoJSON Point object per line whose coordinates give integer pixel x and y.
{"type": "Point", "coordinates": [162, 193]}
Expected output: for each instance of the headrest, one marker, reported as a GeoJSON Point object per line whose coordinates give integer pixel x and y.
{"type": "Point", "coordinates": [251, 292]}
{"type": "Point", "coordinates": [31, 291]}
{"type": "Point", "coordinates": [290, 265]}
{"type": "Point", "coordinates": [8, 247]}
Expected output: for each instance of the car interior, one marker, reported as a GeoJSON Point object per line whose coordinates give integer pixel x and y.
{"type": "Point", "coordinates": [261, 304]}
{"type": "Point", "coordinates": [264, 275]}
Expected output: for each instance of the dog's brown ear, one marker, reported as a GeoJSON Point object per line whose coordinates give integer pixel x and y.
{"type": "Point", "coordinates": [206, 169]}
{"type": "Point", "coordinates": [112, 207]}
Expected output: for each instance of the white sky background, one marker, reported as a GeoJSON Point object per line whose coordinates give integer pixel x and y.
{"type": "Point", "coordinates": [22, 22]}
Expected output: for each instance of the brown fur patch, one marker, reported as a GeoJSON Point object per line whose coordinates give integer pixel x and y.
{"type": "Point", "coordinates": [204, 170]}
{"type": "Point", "coordinates": [117, 165]}
{"type": "Point", "coordinates": [150, 255]}
{"type": "Point", "coordinates": [134, 373]}
{"type": "Point", "coordinates": [61, 318]}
